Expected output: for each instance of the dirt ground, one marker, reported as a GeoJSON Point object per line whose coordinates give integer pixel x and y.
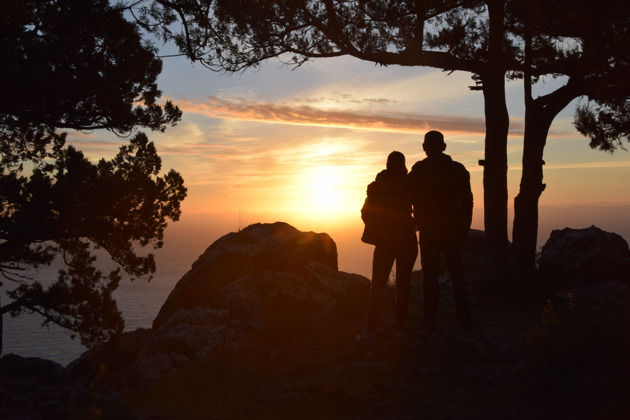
{"type": "Point", "coordinates": [561, 356]}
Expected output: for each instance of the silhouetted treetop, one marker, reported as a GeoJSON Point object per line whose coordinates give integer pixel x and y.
{"type": "Point", "coordinates": [231, 36]}
{"type": "Point", "coordinates": [588, 42]}
{"type": "Point", "coordinates": [78, 64]}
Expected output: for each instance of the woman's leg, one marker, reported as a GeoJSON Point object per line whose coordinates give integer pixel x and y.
{"type": "Point", "coordinates": [404, 268]}
{"type": "Point", "coordinates": [381, 267]}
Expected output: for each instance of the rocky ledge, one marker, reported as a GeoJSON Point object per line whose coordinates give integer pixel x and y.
{"type": "Point", "coordinates": [263, 326]}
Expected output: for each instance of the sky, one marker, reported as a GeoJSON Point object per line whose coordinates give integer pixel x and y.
{"type": "Point", "coordinates": [301, 145]}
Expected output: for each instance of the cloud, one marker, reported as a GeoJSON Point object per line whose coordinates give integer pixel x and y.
{"type": "Point", "coordinates": [82, 142]}
{"type": "Point", "coordinates": [589, 165]}
{"type": "Point", "coordinates": [244, 109]}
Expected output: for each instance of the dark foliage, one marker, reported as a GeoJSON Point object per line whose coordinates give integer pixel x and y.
{"type": "Point", "coordinates": [78, 64]}
{"type": "Point", "coordinates": [606, 126]}
{"type": "Point", "coordinates": [70, 206]}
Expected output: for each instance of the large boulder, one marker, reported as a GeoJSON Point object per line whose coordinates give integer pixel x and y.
{"type": "Point", "coordinates": [265, 286]}
{"type": "Point", "coordinates": [584, 256]}
{"type": "Point", "coordinates": [252, 252]}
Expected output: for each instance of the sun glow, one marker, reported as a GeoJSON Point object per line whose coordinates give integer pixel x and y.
{"type": "Point", "coordinates": [328, 193]}
{"type": "Point", "coordinates": [324, 189]}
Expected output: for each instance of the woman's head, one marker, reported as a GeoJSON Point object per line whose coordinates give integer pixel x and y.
{"type": "Point", "coordinates": [396, 162]}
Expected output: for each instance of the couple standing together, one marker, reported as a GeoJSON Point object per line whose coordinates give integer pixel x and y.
{"type": "Point", "coordinates": [435, 199]}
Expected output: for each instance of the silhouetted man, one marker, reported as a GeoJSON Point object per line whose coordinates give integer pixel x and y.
{"type": "Point", "coordinates": [443, 203]}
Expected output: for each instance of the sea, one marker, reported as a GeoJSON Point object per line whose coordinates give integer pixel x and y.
{"type": "Point", "coordinates": [186, 240]}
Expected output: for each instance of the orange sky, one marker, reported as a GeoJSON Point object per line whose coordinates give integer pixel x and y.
{"type": "Point", "coordinates": [306, 142]}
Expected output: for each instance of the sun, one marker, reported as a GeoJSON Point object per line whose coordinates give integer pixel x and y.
{"type": "Point", "coordinates": [324, 195]}
{"type": "Point", "coordinates": [326, 192]}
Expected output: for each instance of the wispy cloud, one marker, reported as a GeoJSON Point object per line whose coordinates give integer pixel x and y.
{"type": "Point", "coordinates": [589, 165]}
{"type": "Point", "coordinates": [300, 114]}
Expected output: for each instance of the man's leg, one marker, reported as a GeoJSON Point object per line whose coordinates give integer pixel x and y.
{"type": "Point", "coordinates": [456, 270]}
{"type": "Point", "coordinates": [430, 259]}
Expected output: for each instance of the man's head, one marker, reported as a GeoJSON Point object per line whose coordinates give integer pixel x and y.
{"type": "Point", "coordinates": [433, 143]}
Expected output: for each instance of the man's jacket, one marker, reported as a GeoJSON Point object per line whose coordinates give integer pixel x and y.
{"type": "Point", "coordinates": [441, 196]}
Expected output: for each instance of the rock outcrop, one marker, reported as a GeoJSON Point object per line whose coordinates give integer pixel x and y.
{"type": "Point", "coordinates": [257, 288]}
{"type": "Point", "coordinates": [236, 258]}
{"type": "Point", "coordinates": [584, 256]}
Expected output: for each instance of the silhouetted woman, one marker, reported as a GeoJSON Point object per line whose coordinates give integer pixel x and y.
{"type": "Point", "coordinates": [390, 227]}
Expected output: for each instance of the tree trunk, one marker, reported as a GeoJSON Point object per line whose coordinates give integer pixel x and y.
{"type": "Point", "coordinates": [1, 326]}
{"type": "Point", "coordinates": [497, 124]}
{"type": "Point", "coordinates": [525, 228]}
{"type": "Point", "coordinates": [495, 189]}
{"type": "Point", "coordinates": [539, 114]}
